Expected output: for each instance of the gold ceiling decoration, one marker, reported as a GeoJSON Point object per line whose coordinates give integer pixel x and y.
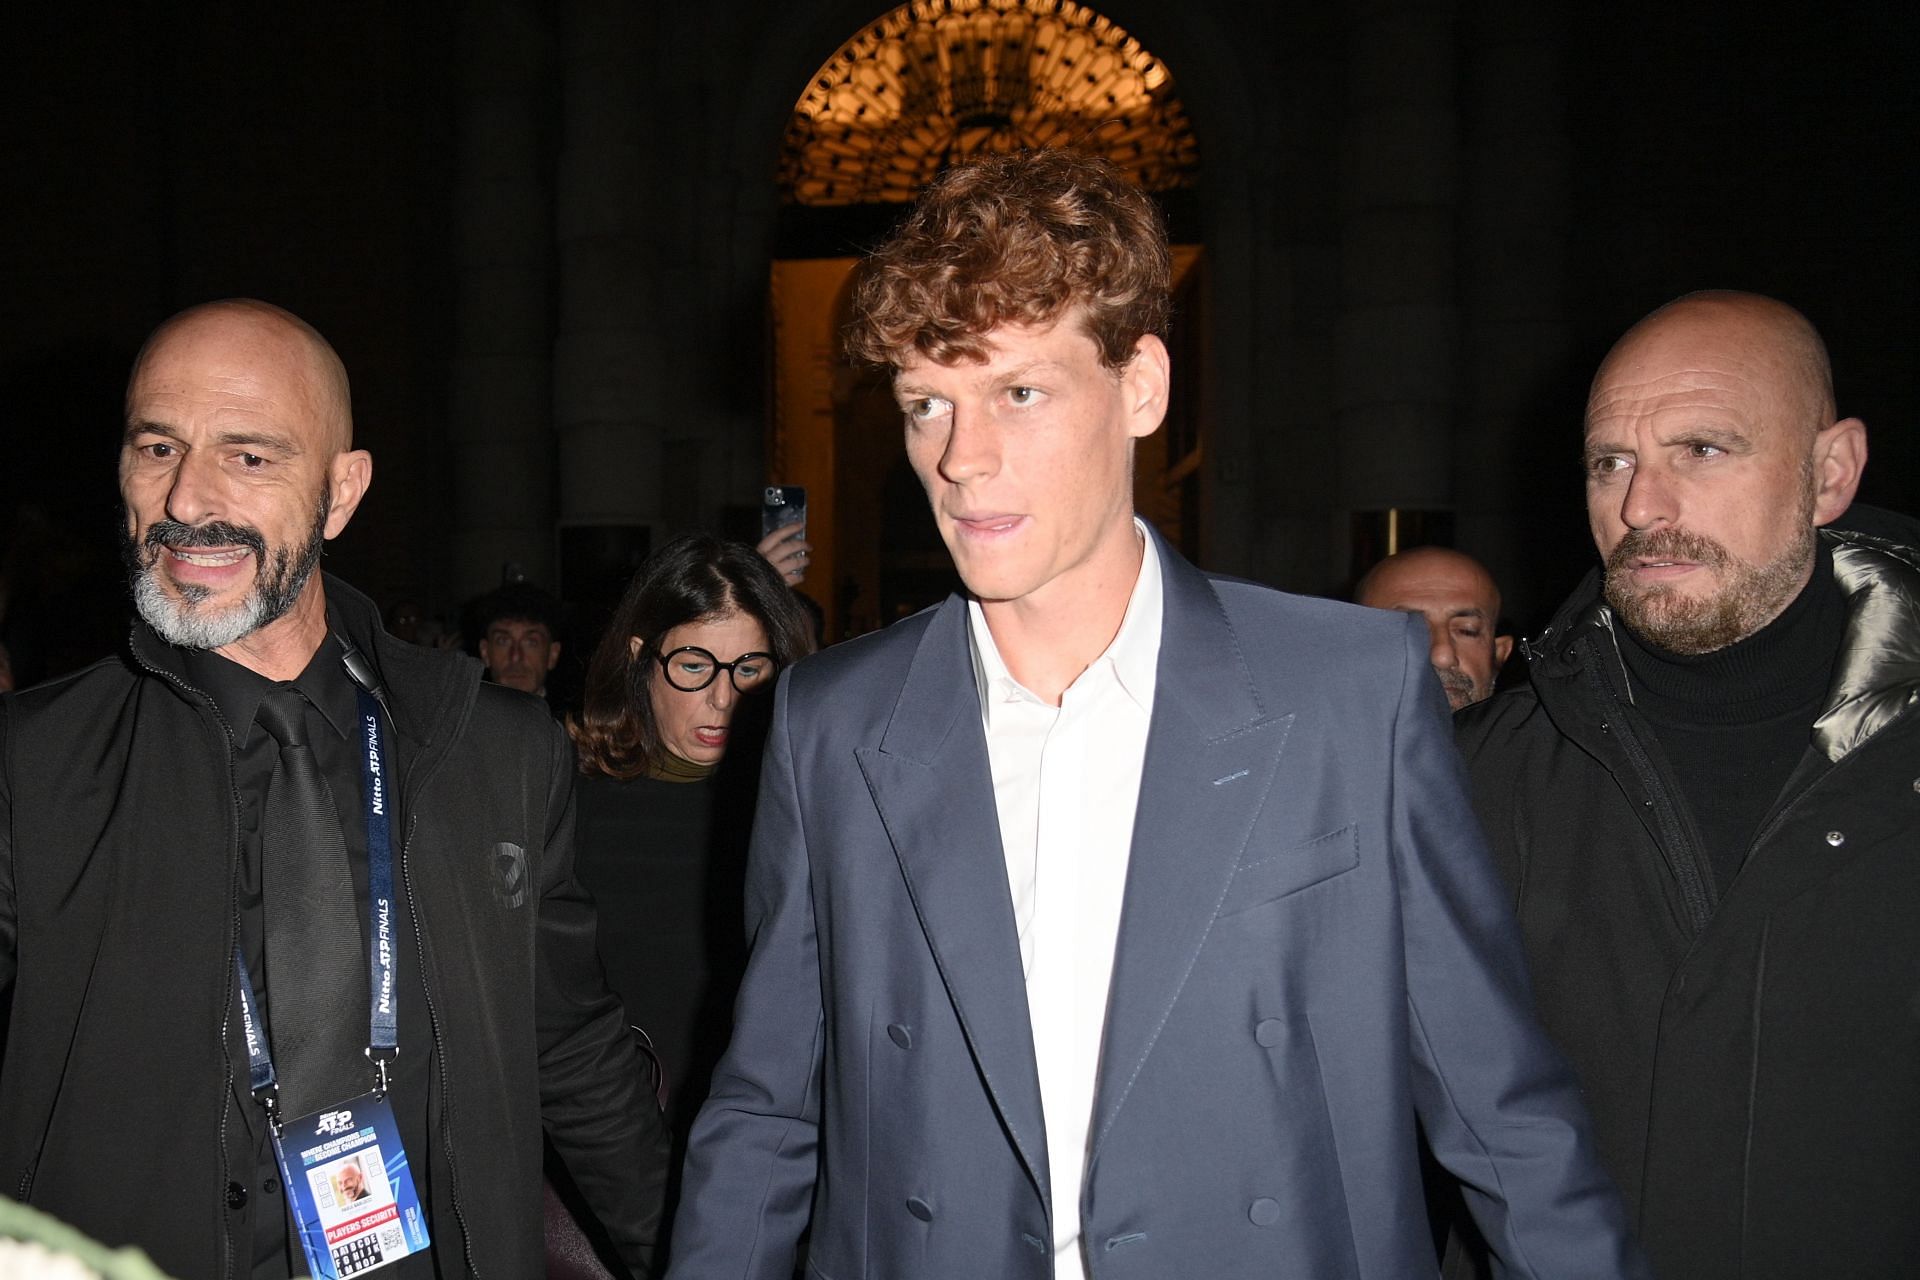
{"type": "Point", "coordinates": [936, 81]}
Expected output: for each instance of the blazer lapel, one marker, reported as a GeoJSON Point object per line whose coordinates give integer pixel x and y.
{"type": "Point", "coordinates": [1212, 752]}
{"type": "Point", "coordinates": [933, 785]}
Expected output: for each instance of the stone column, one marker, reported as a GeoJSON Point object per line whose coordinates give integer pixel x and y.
{"type": "Point", "coordinates": [1295, 307]}
{"type": "Point", "coordinates": [1396, 337]}
{"type": "Point", "coordinates": [1520, 393]}
{"type": "Point", "coordinates": [501, 400]}
{"type": "Point", "coordinates": [608, 355]}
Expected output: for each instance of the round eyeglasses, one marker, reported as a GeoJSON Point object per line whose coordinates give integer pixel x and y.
{"type": "Point", "coordinates": [691, 669]}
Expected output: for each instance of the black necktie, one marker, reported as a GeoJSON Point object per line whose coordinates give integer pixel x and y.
{"type": "Point", "coordinates": [316, 971]}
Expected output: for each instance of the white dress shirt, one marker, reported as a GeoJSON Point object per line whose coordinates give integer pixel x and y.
{"type": "Point", "coordinates": [1066, 781]}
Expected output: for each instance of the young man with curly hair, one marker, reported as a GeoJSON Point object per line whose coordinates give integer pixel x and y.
{"type": "Point", "coordinates": [1111, 919]}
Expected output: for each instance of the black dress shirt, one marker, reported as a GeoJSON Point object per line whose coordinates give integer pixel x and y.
{"type": "Point", "coordinates": [333, 729]}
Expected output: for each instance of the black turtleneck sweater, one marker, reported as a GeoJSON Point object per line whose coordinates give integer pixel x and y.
{"type": "Point", "coordinates": [1734, 723]}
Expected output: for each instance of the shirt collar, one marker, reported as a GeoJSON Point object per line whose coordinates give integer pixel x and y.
{"type": "Point", "coordinates": [237, 691]}
{"type": "Point", "coordinates": [1133, 654]}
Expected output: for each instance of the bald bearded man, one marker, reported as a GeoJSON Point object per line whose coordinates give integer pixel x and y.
{"type": "Point", "coordinates": [266, 789]}
{"type": "Point", "coordinates": [1706, 803]}
{"type": "Point", "coordinates": [1457, 597]}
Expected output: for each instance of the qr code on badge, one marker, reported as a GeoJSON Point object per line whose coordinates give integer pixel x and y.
{"type": "Point", "coordinates": [391, 1239]}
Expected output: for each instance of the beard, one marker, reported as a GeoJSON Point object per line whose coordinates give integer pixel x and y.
{"type": "Point", "coordinates": [1747, 598]}
{"type": "Point", "coordinates": [181, 614]}
{"type": "Point", "coordinates": [1460, 688]}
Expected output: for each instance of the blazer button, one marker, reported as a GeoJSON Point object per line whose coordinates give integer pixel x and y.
{"type": "Point", "coordinates": [236, 1196]}
{"type": "Point", "coordinates": [920, 1208]}
{"type": "Point", "coordinates": [900, 1035]}
{"type": "Point", "coordinates": [1263, 1212]}
{"type": "Point", "coordinates": [1269, 1031]}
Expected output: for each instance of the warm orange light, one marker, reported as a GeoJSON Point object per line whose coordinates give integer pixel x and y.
{"type": "Point", "coordinates": [934, 81]}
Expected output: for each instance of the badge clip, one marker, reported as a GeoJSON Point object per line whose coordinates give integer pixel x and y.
{"type": "Point", "coordinates": [380, 1061]}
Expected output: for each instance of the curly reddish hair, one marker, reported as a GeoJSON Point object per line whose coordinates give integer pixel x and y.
{"type": "Point", "coordinates": [1015, 239]}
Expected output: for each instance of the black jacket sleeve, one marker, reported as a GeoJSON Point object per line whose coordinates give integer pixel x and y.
{"type": "Point", "coordinates": [595, 1102]}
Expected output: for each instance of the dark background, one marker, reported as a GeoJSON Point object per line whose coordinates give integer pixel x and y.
{"type": "Point", "coordinates": [156, 156]}
{"type": "Point", "coordinates": [1724, 146]}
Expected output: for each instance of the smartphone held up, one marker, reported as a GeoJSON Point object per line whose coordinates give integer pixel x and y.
{"type": "Point", "coordinates": [783, 531]}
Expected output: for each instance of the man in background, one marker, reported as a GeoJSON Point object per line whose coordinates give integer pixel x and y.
{"type": "Point", "coordinates": [1461, 604]}
{"type": "Point", "coordinates": [518, 627]}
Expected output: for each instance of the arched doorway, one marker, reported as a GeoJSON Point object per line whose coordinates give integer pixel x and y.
{"type": "Point", "coordinates": [923, 87]}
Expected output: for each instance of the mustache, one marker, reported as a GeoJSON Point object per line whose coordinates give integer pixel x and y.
{"type": "Point", "coordinates": [1667, 543]}
{"type": "Point", "coordinates": [216, 533]}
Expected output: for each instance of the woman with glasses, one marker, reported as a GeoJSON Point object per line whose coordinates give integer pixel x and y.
{"type": "Point", "coordinates": [679, 684]}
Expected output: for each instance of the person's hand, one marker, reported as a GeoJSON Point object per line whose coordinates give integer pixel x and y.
{"type": "Point", "coordinates": [787, 550]}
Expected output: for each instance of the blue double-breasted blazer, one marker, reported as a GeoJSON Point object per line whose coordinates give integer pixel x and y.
{"type": "Point", "coordinates": [1315, 962]}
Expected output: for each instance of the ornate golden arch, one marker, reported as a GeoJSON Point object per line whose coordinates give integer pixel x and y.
{"type": "Point", "coordinates": [935, 81]}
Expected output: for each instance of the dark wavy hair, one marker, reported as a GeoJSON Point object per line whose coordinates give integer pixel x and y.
{"type": "Point", "coordinates": [1015, 239]}
{"type": "Point", "coordinates": [690, 579]}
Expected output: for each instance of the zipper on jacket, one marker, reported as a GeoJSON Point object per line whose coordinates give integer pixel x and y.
{"type": "Point", "coordinates": [426, 989]}
{"type": "Point", "coordinates": [1681, 857]}
{"type": "Point", "coordinates": [233, 921]}
{"type": "Point", "coordinates": [439, 1051]}
{"type": "Point", "coordinates": [411, 786]}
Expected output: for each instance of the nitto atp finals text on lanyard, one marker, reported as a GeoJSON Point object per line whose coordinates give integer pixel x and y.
{"type": "Point", "coordinates": [345, 1172]}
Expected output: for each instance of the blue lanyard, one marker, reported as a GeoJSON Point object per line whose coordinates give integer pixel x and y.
{"type": "Point", "coordinates": [383, 1040]}
{"type": "Point", "coordinates": [383, 1017]}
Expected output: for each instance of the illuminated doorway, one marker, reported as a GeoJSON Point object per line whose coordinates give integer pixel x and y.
{"type": "Point", "coordinates": [927, 85]}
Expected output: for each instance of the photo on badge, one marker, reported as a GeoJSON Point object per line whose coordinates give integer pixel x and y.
{"type": "Point", "coordinates": [348, 1187]}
